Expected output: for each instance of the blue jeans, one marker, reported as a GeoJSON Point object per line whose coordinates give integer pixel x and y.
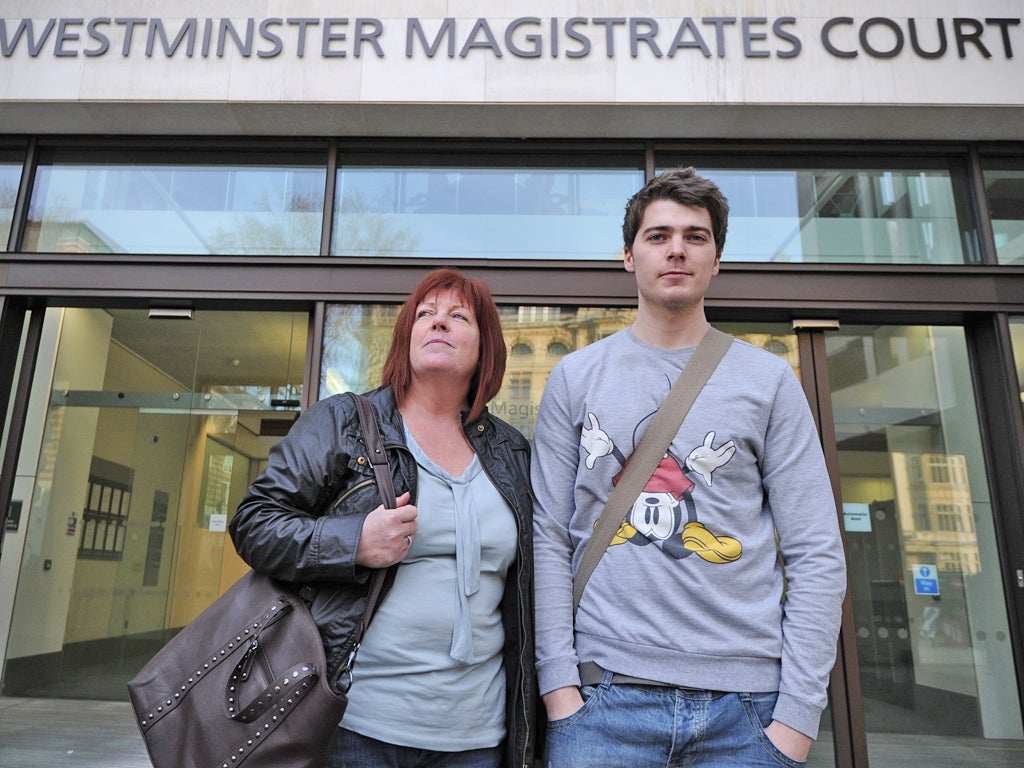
{"type": "Point", "coordinates": [351, 750]}
{"type": "Point", "coordinates": [642, 726]}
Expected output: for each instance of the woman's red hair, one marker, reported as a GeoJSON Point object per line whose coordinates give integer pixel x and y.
{"type": "Point", "coordinates": [490, 367]}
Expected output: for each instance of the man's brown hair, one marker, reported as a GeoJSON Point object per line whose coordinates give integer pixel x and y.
{"type": "Point", "coordinates": [683, 186]}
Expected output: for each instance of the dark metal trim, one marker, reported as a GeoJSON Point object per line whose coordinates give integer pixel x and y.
{"type": "Point", "coordinates": [1001, 424]}
{"type": "Point", "coordinates": [327, 225]}
{"type": "Point", "coordinates": [980, 210]}
{"type": "Point", "coordinates": [840, 147]}
{"type": "Point", "coordinates": [314, 356]}
{"type": "Point", "coordinates": [850, 739]}
{"type": "Point", "coordinates": [1001, 149]}
{"type": "Point", "coordinates": [649, 162]}
{"type": "Point", "coordinates": [514, 149]}
{"type": "Point", "coordinates": [24, 196]}
{"type": "Point", "coordinates": [173, 145]}
{"type": "Point", "coordinates": [12, 318]}
{"type": "Point", "coordinates": [755, 291]}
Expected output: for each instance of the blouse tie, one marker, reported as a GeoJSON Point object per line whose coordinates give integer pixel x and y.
{"type": "Point", "coordinates": [467, 561]}
{"type": "Point", "coordinates": [467, 543]}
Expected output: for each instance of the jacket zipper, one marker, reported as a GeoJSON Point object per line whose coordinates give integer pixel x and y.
{"type": "Point", "coordinates": [519, 608]}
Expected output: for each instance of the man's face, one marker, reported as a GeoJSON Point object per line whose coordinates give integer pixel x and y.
{"type": "Point", "coordinates": [673, 256]}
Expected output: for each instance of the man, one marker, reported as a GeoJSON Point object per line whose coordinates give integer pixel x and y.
{"type": "Point", "coordinates": [707, 631]}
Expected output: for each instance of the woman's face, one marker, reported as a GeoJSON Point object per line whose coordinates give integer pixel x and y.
{"type": "Point", "coordinates": [445, 338]}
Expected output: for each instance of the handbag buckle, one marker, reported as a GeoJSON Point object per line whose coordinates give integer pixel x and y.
{"type": "Point", "coordinates": [345, 675]}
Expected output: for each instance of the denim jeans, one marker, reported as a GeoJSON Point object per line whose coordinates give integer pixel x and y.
{"type": "Point", "coordinates": [643, 726]}
{"type": "Point", "coordinates": [351, 750]}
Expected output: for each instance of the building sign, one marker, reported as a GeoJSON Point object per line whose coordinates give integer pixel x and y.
{"type": "Point", "coordinates": [72, 62]}
{"type": "Point", "coordinates": [527, 37]}
{"type": "Point", "coordinates": [856, 517]}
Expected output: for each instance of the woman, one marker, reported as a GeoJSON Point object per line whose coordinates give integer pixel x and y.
{"type": "Point", "coordinates": [444, 675]}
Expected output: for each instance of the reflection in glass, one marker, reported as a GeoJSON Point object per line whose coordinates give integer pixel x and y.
{"type": "Point", "coordinates": [146, 437]}
{"type": "Point", "coordinates": [10, 173]}
{"type": "Point", "coordinates": [1004, 190]}
{"type": "Point", "coordinates": [498, 213]}
{"type": "Point", "coordinates": [159, 207]}
{"type": "Point", "coordinates": [357, 338]}
{"type": "Point", "coordinates": [1017, 339]}
{"type": "Point", "coordinates": [539, 336]}
{"type": "Point", "coordinates": [925, 580]}
{"type": "Point", "coordinates": [836, 215]}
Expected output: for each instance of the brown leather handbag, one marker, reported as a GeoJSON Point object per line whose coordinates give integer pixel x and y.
{"type": "Point", "coordinates": [244, 683]}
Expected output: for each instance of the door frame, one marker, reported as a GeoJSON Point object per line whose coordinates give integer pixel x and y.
{"type": "Point", "coordinates": [1001, 425]}
{"type": "Point", "coordinates": [851, 747]}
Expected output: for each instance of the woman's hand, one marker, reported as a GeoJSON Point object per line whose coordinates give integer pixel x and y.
{"type": "Point", "coordinates": [387, 534]}
{"type": "Point", "coordinates": [562, 702]}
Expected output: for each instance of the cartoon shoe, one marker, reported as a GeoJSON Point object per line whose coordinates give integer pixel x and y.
{"type": "Point", "coordinates": [707, 546]}
{"type": "Point", "coordinates": [623, 534]}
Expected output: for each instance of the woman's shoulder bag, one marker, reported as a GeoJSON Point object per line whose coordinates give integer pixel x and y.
{"type": "Point", "coordinates": [244, 684]}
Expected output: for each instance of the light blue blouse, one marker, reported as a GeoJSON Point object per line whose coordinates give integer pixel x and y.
{"type": "Point", "coordinates": [429, 674]}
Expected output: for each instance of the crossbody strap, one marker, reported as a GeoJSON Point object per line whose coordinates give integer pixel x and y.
{"type": "Point", "coordinates": [650, 451]}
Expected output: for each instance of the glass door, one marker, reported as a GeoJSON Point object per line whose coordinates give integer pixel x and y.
{"type": "Point", "coordinates": [146, 429]}
{"type": "Point", "coordinates": [936, 671]}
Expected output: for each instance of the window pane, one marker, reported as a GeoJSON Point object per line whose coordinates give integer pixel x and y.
{"type": "Point", "coordinates": [446, 212]}
{"type": "Point", "coordinates": [357, 338]}
{"type": "Point", "coordinates": [10, 173]}
{"type": "Point", "coordinates": [1004, 190]}
{"type": "Point", "coordinates": [925, 576]}
{"type": "Point", "coordinates": [223, 205]}
{"type": "Point", "coordinates": [147, 433]}
{"type": "Point", "coordinates": [842, 215]}
{"type": "Point", "coordinates": [1017, 338]}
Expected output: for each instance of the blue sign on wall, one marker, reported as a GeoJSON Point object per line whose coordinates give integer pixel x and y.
{"type": "Point", "coordinates": [926, 580]}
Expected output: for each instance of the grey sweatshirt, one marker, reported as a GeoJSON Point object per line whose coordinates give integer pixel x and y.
{"type": "Point", "coordinates": [691, 591]}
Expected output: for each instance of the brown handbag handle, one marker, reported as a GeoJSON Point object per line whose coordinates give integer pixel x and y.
{"type": "Point", "coordinates": [378, 459]}
{"type": "Point", "coordinates": [649, 452]}
{"type": "Point", "coordinates": [375, 447]}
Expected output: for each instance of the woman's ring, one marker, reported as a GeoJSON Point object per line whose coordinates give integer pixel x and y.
{"type": "Point", "coordinates": [409, 539]}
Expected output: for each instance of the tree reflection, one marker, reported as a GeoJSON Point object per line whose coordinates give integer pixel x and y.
{"type": "Point", "coordinates": [362, 227]}
{"type": "Point", "coordinates": [357, 338]}
{"type": "Point", "coordinates": [8, 195]}
{"type": "Point", "coordinates": [272, 232]}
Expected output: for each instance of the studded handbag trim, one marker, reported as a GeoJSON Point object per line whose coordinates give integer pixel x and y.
{"type": "Point", "coordinates": [247, 638]}
{"type": "Point", "coordinates": [269, 709]}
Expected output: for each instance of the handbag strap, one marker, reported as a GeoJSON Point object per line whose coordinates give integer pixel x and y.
{"type": "Point", "coordinates": [649, 452]}
{"type": "Point", "coordinates": [378, 459]}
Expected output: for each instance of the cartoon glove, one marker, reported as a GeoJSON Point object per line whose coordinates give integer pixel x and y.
{"type": "Point", "coordinates": [595, 441]}
{"type": "Point", "coordinates": [704, 459]}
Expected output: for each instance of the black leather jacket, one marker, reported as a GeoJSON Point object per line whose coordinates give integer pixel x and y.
{"type": "Point", "coordinates": [301, 518]}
